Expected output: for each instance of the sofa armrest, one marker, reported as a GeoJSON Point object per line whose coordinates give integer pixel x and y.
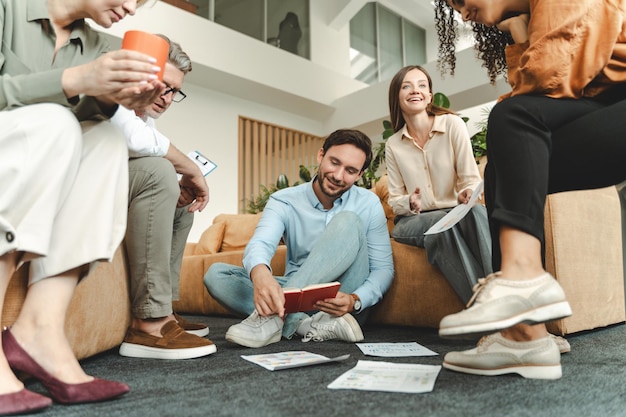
{"type": "Point", "coordinates": [99, 313]}
{"type": "Point", "coordinates": [193, 296]}
{"type": "Point", "coordinates": [190, 248]}
{"type": "Point", "coordinates": [583, 231]}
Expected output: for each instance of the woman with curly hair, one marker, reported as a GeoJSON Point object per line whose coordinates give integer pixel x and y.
{"type": "Point", "coordinates": [560, 128]}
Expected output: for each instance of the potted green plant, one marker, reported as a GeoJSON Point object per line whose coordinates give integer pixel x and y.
{"type": "Point", "coordinates": [370, 176]}
{"type": "Point", "coordinates": [478, 139]}
{"type": "Point", "coordinates": [257, 204]}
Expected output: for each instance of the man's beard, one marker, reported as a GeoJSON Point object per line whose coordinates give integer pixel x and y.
{"type": "Point", "coordinates": [326, 191]}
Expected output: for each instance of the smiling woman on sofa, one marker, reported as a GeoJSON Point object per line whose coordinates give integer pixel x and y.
{"type": "Point", "coordinates": [62, 172]}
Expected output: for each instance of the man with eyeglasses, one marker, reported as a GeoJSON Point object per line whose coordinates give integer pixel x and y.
{"type": "Point", "coordinates": [160, 216]}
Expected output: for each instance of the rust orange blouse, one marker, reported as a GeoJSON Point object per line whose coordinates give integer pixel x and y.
{"type": "Point", "coordinates": [575, 49]}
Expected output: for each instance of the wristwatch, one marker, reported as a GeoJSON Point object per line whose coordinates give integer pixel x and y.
{"type": "Point", "coordinates": [357, 302]}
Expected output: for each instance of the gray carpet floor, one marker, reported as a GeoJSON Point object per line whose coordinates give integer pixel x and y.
{"type": "Point", "coordinates": [223, 384]}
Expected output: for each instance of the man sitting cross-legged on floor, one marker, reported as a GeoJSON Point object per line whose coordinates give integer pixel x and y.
{"type": "Point", "coordinates": [160, 216]}
{"type": "Point", "coordinates": [334, 231]}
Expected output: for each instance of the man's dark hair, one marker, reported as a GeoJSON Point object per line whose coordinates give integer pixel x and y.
{"type": "Point", "coordinates": [352, 137]}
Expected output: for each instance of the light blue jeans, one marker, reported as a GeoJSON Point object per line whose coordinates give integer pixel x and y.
{"type": "Point", "coordinates": [462, 253]}
{"type": "Point", "coordinates": [340, 254]}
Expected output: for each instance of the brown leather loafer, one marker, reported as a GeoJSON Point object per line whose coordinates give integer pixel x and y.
{"type": "Point", "coordinates": [199, 329]}
{"type": "Point", "coordinates": [174, 343]}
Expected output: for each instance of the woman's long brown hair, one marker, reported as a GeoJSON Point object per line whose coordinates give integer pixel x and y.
{"type": "Point", "coordinates": [397, 119]}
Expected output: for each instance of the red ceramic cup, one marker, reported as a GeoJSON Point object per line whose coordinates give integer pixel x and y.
{"type": "Point", "coordinates": [149, 44]}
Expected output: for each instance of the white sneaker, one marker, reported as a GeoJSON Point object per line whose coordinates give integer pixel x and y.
{"type": "Point", "coordinates": [495, 355]}
{"type": "Point", "coordinates": [500, 303]}
{"type": "Point", "coordinates": [256, 330]}
{"type": "Point", "coordinates": [327, 327]}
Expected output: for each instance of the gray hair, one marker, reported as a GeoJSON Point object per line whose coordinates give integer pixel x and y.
{"type": "Point", "coordinates": [177, 56]}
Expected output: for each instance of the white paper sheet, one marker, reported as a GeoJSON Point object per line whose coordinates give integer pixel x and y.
{"type": "Point", "coordinates": [395, 350]}
{"type": "Point", "coordinates": [388, 377]}
{"type": "Point", "coordinates": [291, 359]}
{"type": "Point", "coordinates": [456, 214]}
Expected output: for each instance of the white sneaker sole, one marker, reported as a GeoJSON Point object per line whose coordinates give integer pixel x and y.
{"type": "Point", "coordinates": [357, 333]}
{"type": "Point", "coordinates": [528, 371]}
{"type": "Point", "coordinates": [133, 350]}
{"type": "Point", "coordinates": [536, 316]}
{"type": "Point", "coordinates": [200, 333]}
{"type": "Point", "coordinates": [233, 338]}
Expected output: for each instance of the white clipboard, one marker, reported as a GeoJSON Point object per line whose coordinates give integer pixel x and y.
{"type": "Point", "coordinates": [204, 163]}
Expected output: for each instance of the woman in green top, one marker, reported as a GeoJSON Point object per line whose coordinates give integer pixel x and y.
{"type": "Point", "coordinates": [64, 179]}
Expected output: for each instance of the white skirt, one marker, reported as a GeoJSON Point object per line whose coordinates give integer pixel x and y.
{"type": "Point", "coordinates": [64, 189]}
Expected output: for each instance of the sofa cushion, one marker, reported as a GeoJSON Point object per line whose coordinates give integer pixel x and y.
{"type": "Point", "coordinates": [382, 191]}
{"type": "Point", "coordinates": [238, 230]}
{"type": "Point", "coordinates": [211, 240]}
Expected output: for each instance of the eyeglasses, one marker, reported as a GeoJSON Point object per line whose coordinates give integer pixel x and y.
{"type": "Point", "coordinates": [177, 95]}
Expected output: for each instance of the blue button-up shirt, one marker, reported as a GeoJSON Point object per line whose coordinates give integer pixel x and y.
{"type": "Point", "coordinates": [296, 215]}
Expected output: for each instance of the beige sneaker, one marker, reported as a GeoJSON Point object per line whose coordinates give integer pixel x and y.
{"type": "Point", "coordinates": [495, 355]}
{"type": "Point", "coordinates": [500, 303]}
{"type": "Point", "coordinates": [175, 343]}
{"type": "Point", "coordinates": [561, 343]}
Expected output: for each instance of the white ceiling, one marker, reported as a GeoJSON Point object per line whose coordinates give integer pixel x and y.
{"type": "Point", "coordinates": [218, 65]}
{"type": "Point", "coordinates": [419, 12]}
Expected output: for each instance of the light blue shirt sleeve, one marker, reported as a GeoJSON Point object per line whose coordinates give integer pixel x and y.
{"type": "Point", "coordinates": [262, 246]}
{"type": "Point", "coordinates": [296, 215]}
{"type": "Point", "coordinates": [142, 137]}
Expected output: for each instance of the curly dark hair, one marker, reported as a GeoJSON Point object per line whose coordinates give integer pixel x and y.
{"type": "Point", "coordinates": [490, 43]}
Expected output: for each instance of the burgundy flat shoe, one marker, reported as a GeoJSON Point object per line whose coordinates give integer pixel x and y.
{"type": "Point", "coordinates": [86, 392]}
{"type": "Point", "coordinates": [22, 402]}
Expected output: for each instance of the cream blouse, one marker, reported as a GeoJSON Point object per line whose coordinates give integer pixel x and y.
{"type": "Point", "coordinates": [442, 169]}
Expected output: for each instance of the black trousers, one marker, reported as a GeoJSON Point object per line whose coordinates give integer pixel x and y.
{"type": "Point", "coordinates": [538, 145]}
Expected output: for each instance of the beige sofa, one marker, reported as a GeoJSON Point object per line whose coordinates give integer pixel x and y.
{"type": "Point", "coordinates": [584, 252]}
{"type": "Point", "coordinates": [100, 310]}
{"type": "Point", "coordinates": [224, 241]}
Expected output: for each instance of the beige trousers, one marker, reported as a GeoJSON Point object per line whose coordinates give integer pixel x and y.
{"type": "Point", "coordinates": [156, 236]}
{"type": "Point", "coordinates": [64, 189]}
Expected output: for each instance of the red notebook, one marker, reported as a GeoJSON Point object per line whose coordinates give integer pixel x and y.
{"type": "Point", "coordinates": [304, 299]}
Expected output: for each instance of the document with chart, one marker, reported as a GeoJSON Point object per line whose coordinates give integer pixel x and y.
{"type": "Point", "coordinates": [456, 214]}
{"type": "Point", "coordinates": [389, 377]}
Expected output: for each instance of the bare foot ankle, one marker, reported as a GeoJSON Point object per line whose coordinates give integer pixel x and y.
{"type": "Point", "coordinates": [8, 381]}
{"type": "Point", "coordinates": [151, 326]}
{"type": "Point", "coordinates": [525, 332]}
{"type": "Point", "coordinates": [521, 273]}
